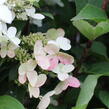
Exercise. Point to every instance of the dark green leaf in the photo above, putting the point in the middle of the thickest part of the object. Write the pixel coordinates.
(36, 4)
(80, 5)
(48, 15)
(99, 68)
(104, 97)
(99, 48)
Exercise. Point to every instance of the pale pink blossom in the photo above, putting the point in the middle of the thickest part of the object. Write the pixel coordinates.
(62, 71)
(26, 71)
(49, 56)
(69, 82)
(45, 100)
(40, 55)
(7, 50)
(35, 91)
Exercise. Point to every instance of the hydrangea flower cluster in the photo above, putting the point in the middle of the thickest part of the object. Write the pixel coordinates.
(37, 52)
(9, 10)
(47, 55)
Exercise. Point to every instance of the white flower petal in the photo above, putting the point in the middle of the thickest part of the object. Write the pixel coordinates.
(27, 67)
(57, 69)
(61, 87)
(62, 76)
(45, 101)
(13, 15)
(30, 11)
(2, 1)
(11, 32)
(53, 42)
(63, 43)
(22, 69)
(15, 40)
(31, 65)
(5, 14)
(68, 68)
(38, 16)
(36, 22)
(3, 51)
(3, 27)
(32, 78)
(33, 91)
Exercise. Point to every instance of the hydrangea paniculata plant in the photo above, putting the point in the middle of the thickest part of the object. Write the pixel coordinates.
(37, 52)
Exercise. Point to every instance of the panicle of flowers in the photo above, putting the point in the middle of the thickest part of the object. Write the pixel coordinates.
(9, 9)
(36, 51)
(24, 10)
(46, 54)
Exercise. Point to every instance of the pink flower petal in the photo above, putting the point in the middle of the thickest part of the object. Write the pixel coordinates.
(65, 58)
(43, 62)
(73, 82)
(51, 49)
(22, 79)
(53, 63)
(11, 53)
(38, 48)
(32, 78)
(60, 32)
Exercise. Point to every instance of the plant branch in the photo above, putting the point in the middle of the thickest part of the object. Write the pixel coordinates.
(84, 56)
(105, 3)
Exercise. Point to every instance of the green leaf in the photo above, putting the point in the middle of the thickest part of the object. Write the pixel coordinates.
(85, 28)
(80, 5)
(8, 102)
(99, 48)
(104, 97)
(87, 91)
(99, 68)
(92, 32)
(48, 15)
(36, 4)
(90, 12)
